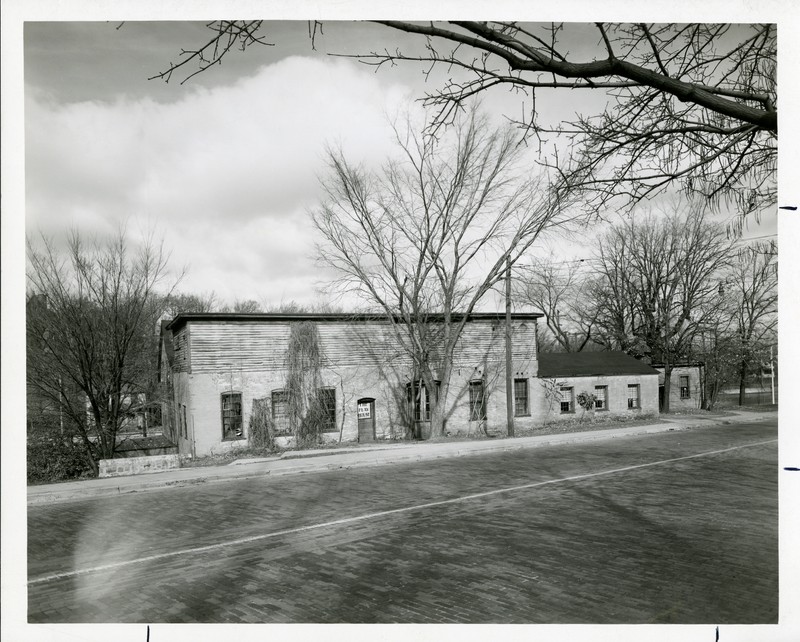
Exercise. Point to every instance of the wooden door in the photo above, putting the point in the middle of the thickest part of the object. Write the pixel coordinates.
(366, 420)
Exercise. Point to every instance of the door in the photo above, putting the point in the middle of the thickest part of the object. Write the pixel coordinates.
(366, 419)
(661, 398)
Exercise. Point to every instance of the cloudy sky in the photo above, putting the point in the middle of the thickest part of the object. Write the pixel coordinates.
(226, 166)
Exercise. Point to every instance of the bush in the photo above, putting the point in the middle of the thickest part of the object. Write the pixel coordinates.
(52, 460)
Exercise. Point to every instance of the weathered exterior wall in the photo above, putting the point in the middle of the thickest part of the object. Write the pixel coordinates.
(676, 402)
(360, 360)
(616, 395)
(137, 465)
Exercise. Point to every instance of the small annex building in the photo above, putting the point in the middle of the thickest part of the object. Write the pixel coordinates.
(620, 383)
(686, 391)
(218, 368)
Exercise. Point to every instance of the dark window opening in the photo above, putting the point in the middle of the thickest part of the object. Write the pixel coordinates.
(477, 401)
(419, 401)
(600, 398)
(327, 402)
(633, 396)
(231, 416)
(280, 412)
(521, 408)
(684, 385)
(567, 404)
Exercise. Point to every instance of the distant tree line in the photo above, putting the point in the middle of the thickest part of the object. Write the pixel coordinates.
(669, 288)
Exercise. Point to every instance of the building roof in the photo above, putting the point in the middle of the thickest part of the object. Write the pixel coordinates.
(588, 364)
(282, 317)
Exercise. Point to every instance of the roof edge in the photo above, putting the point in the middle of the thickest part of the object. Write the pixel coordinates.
(233, 317)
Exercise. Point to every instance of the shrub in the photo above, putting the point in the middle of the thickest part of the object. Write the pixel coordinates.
(52, 460)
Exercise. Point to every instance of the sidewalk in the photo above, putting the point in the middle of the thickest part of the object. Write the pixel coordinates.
(293, 462)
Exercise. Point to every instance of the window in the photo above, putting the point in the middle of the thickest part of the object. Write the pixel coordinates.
(419, 401)
(477, 401)
(684, 383)
(633, 395)
(567, 404)
(601, 397)
(280, 412)
(231, 416)
(185, 427)
(327, 403)
(521, 398)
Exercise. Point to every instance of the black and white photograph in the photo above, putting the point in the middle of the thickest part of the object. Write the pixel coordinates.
(370, 315)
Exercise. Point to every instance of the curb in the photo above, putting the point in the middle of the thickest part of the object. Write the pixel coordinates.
(370, 458)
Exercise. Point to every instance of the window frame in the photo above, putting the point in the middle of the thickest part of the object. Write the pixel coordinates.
(525, 411)
(634, 403)
(329, 407)
(477, 412)
(419, 400)
(237, 434)
(280, 424)
(684, 390)
(570, 403)
(603, 399)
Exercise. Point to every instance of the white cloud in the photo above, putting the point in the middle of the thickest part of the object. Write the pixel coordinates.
(226, 174)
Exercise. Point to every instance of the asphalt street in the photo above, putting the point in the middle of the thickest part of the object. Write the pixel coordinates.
(671, 527)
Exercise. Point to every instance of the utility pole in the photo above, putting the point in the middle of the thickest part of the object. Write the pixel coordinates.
(509, 373)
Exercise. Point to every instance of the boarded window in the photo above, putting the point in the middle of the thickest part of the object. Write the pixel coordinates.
(633, 395)
(684, 384)
(521, 408)
(280, 412)
(601, 397)
(231, 416)
(327, 402)
(477, 401)
(567, 405)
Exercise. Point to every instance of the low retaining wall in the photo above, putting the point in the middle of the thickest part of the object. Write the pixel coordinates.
(137, 465)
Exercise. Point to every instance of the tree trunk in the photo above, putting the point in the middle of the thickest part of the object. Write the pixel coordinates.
(438, 407)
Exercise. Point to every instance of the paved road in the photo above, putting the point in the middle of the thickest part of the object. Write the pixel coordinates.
(675, 527)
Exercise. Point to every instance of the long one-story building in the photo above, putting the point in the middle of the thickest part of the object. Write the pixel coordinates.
(619, 383)
(217, 367)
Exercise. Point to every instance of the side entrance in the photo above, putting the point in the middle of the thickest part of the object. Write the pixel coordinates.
(366, 419)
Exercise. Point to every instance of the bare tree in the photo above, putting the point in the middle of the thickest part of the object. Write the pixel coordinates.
(91, 336)
(751, 286)
(246, 306)
(178, 302)
(658, 277)
(425, 239)
(563, 292)
(690, 105)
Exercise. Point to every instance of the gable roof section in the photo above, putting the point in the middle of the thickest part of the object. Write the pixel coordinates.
(589, 364)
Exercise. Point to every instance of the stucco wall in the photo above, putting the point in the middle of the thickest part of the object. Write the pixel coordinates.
(675, 401)
(616, 395)
(359, 364)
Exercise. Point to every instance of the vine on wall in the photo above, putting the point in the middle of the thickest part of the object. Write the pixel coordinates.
(304, 358)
